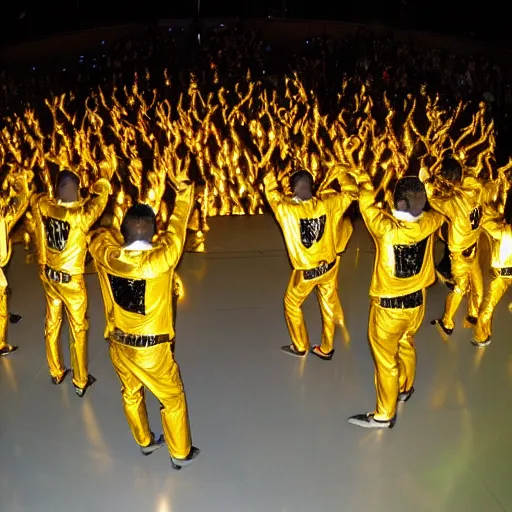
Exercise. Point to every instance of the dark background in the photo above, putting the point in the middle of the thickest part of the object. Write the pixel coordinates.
(487, 21)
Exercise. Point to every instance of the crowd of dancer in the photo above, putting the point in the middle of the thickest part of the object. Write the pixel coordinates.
(129, 178)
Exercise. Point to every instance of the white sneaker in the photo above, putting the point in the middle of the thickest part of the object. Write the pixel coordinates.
(368, 421)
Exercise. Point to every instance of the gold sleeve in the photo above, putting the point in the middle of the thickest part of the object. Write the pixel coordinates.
(431, 221)
(173, 241)
(96, 205)
(16, 207)
(377, 221)
(274, 197)
(105, 243)
(440, 202)
(338, 203)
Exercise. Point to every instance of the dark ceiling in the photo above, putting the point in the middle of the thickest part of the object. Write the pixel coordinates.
(22, 19)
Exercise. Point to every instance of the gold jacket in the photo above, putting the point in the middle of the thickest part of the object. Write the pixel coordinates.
(312, 229)
(463, 208)
(61, 229)
(137, 285)
(404, 260)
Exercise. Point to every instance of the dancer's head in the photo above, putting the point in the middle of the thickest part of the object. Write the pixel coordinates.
(139, 224)
(410, 196)
(451, 170)
(68, 186)
(301, 183)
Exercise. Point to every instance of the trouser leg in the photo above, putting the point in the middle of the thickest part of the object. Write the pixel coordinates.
(156, 369)
(330, 307)
(132, 389)
(53, 324)
(296, 293)
(390, 333)
(497, 289)
(74, 296)
(476, 289)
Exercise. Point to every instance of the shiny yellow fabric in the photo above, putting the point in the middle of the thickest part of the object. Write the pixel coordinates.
(108, 304)
(386, 232)
(391, 336)
(11, 212)
(497, 288)
(298, 290)
(155, 266)
(289, 212)
(500, 235)
(73, 297)
(155, 369)
(457, 205)
(80, 215)
(467, 278)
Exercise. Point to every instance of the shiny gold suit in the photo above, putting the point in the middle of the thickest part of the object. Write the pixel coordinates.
(61, 235)
(314, 239)
(137, 286)
(11, 210)
(462, 205)
(402, 270)
(500, 235)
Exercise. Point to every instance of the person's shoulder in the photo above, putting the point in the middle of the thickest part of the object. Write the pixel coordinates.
(106, 236)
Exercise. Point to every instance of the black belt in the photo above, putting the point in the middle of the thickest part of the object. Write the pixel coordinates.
(56, 275)
(409, 301)
(318, 271)
(139, 340)
(505, 271)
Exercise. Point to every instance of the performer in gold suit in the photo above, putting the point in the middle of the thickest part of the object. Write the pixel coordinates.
(402, 270)
(499, 229)
(459, 198)
(311, 227)
(62, 226)
(136, 277)
(12, 208)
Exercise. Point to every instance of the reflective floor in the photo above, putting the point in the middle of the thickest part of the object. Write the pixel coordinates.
(272, 428)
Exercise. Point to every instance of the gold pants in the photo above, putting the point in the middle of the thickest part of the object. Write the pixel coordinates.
(327, 292)
(73, 297)
(155, 369)
(391, 333)
(497, 289)
(467, 277)
(4, 313)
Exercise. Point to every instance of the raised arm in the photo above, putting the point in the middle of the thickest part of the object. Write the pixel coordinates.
(174, 239)
(272, 193)
(376, 219)
(97, 204)
(18, 200)
(440, 194)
